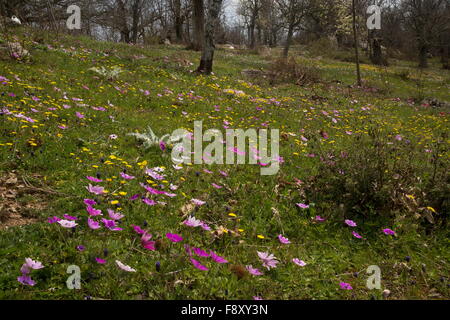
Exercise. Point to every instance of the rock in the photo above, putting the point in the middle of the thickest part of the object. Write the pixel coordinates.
(167, 42)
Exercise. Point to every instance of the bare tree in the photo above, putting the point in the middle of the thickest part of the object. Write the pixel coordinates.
(198, 21)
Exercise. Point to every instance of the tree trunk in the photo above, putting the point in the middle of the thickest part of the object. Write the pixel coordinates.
(423, 52)
(198, 17)
(445, 57)
(206, 61)
(287, 45)
(355, 36)
(135, 26)
(178, 21)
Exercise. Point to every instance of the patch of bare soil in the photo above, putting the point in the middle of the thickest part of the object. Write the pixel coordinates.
(14, 211)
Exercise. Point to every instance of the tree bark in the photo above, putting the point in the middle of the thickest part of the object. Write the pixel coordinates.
(206, 61)
(355, 36)
(198, 17)
(287, 45)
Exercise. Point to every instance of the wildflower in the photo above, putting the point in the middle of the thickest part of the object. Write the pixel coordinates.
(198, 265)
(254, 271)
(93, 212)
(113, 137)
(200, 252)
(80, 248)
(53, 219)
(100, 261)
(389, 232)
(95, 189)
(114, 215)
(192, 222)
(93, 179)
(356, 235)
(345, 286)
(299, 262)
(111, 225)
(126, 176)
(67, 224)
(350, 223)
(198, 202)
(94, 225)
(302, 205)
(146, 243)
(217, 258)
(269, 260)
(26, 280)
(124, 267)
(174, 237)
(89, 202)
(283, 240)
(319, 219)
(138, 229)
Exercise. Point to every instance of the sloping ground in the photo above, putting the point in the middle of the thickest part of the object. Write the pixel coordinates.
(362, 180)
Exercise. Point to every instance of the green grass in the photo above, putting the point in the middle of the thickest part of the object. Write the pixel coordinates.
(263, 205)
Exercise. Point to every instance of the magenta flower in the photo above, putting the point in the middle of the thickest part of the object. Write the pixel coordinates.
(93, 179)
(100, 261)
(174, 237)
(53, 219)
(257, 298)
(93, 212)
(126, 176)
(254, 271)
(216, 186)
(95, 189)
(217, 258)
(79, 115)
(115, 215)
(389, 232)
(299, 262)
(192, 222)
(302, 205)
(319, 219)
(149, 202)
(146, 243)
(345, 286)
(269, 260)
(138, 229)
(283, 240)
(71, 218)
(111, 225)
(198, 265)
(89, 202)
(356, 235)
(200, 252)
(94, 225)
(350, 223)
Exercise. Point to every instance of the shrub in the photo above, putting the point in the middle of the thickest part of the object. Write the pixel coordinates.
(289, 71)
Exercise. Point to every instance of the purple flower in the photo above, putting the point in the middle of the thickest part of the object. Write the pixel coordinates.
(93, 212)
(94, 225)
(217, 258)
(26, 280)
(350, 223)
(345, 286)
(93, 179)
(389, 232)
(174, 237)
(269, 260)
(283, 240)
(299, 262)
(67, 224)
(126, 176)
(100, 261)
(200, 252)
(254, 271)
(95, 189)
(198, 265)
(302, 205)
(111, 225)
(81, 248)
(356, 235)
